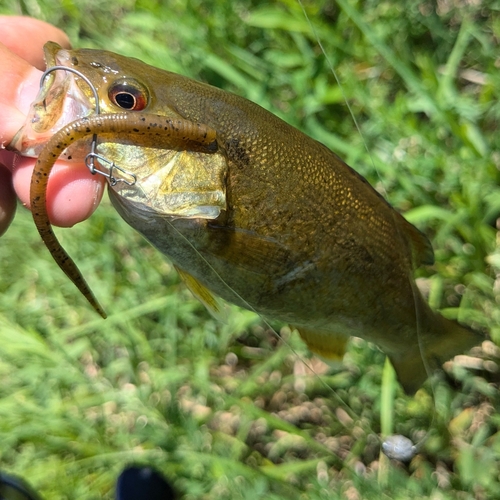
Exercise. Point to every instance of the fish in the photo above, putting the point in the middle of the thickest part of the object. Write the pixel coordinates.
(248, 208)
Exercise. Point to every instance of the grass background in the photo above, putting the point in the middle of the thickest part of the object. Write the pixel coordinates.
(231, 411)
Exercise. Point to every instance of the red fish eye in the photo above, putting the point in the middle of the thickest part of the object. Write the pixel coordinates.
(129, 96)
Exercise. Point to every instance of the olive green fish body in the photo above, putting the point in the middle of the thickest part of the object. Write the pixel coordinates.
(294, 233)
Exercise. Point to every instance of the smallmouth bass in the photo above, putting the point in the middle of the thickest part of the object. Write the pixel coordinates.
(259, 214)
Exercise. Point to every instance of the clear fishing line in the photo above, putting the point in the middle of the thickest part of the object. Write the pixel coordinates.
(104, 162)
(395, 446)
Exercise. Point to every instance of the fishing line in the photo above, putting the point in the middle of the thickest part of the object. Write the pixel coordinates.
(390, 446)
(252, 309)
(94, 156)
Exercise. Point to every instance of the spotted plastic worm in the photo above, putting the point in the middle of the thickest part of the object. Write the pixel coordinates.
(143, 130)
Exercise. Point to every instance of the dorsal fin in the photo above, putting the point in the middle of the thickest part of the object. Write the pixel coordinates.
(421, 248)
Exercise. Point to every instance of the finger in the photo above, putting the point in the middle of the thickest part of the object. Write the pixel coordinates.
(26, 36)
(7, 199)
(73, 192)
(19, 82)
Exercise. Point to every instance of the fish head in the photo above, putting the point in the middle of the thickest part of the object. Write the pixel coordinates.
(85, 82)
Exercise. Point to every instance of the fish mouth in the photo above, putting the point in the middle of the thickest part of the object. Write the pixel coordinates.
(61, 99)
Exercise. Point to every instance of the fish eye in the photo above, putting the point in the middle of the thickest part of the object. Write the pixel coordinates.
(129, 95)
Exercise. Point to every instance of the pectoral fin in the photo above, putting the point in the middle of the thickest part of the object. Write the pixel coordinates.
(249, 250)
(328, 345)
(215, 305)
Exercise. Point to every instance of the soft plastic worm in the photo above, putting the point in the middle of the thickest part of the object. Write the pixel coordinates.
(143, 130)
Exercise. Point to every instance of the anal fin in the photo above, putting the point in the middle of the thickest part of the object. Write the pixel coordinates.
(328, 345)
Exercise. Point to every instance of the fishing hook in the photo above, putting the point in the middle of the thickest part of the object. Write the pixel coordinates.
(90, 159)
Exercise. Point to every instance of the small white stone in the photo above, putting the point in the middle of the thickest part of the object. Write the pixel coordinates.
(399, 447)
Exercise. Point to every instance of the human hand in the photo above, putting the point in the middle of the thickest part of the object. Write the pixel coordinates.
(73, 192)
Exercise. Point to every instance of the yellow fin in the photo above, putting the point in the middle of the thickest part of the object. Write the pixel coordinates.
(215, 305)
(328, 345)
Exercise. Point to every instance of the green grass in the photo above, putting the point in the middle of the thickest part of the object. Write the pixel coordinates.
(228, 411)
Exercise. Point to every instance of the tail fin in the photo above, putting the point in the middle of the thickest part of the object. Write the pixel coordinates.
(439, 343)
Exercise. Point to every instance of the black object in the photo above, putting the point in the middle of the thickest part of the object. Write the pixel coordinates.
(134, 483)
(137, 483)
(14, 488)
